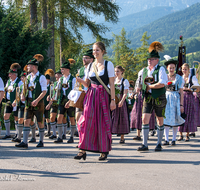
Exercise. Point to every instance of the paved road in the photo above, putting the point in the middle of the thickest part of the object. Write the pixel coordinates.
(53, 166)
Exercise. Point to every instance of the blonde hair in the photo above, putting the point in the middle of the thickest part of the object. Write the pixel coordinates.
(186, 65)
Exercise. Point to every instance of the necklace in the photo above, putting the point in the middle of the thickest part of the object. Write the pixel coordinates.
(172, 75)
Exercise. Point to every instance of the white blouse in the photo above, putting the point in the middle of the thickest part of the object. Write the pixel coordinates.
(110, 69)
(1, 85)
(126, 84)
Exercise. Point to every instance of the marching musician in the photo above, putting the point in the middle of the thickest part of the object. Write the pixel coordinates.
(1, 97)
(67, 82)
(53, 104)
(154, 79)
(36, 90)
(48, 74)
(10, 90)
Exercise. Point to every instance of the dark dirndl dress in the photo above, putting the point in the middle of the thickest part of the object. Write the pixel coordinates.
(136, 115)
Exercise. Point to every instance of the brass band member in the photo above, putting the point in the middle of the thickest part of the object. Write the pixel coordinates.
(1, 96)
(67, 82)
(154, 79)
(10, 90)
(37, 88)
(53, 104)
(48, 74)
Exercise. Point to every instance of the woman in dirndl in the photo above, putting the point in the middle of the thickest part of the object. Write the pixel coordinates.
(188, 103)
(94, 126)
(174, 96)
(136, 113)
(120, 118)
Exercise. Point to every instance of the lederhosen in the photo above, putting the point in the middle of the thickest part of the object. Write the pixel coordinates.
(54, 105)
(38, 110)
(8, 106)
(63, 99)
(81, 75)
(46, 112)
(155, 100)
(21, 106)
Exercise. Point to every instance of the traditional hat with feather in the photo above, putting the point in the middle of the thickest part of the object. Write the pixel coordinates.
(154, 50)
(49, 73)
(14, 68)
(169, 60)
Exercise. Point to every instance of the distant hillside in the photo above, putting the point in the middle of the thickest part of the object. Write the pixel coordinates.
(132, 21)
(168, 28)
(132, 6)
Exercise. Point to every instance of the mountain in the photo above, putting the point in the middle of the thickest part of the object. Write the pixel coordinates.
(168, 28)
(132, 6)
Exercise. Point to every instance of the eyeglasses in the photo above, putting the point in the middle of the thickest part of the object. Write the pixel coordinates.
(86, 57)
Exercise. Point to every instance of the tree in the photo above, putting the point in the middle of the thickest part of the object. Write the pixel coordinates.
(20, 43)
(120, 47)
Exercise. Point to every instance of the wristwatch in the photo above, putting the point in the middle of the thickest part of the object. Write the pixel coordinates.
(113, 99)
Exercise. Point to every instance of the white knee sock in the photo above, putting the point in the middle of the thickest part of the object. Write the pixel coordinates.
(166, 133)
(175, 130)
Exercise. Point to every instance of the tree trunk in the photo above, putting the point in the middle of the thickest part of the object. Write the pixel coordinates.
(33, 14)
(62, 30)
(44, 14)
(51, 54)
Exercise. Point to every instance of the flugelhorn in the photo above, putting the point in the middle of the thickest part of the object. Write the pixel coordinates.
(25, 87)
(57, 92)
(17, 97)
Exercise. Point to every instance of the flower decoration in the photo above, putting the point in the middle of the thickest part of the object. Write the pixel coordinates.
(14, 69)
(181, 37)
(169, 83)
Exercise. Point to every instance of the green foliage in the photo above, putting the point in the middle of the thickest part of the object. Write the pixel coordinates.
(18, 42)
(168, 29)
(120, 47)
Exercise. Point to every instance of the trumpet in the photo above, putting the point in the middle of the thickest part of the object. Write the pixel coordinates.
(17, 97)
(51, 90)
(78, 85)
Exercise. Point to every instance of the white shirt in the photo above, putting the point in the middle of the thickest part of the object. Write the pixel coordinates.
(42, 81)
(1, 85)
(126, 84)
(194, 80)
(110, 69)
(162, 75)
(65, 81)
(10, 87)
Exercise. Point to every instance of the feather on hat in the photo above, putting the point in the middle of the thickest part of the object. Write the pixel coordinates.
(71, 61)
(15, 66)
(157, 46)
(49, 72)
(39, 57)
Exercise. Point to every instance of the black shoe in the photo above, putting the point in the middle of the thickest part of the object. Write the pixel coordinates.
(52, 137)
(137, 138)
(122, 141)
(64, 136)
(180, 138)
(22, 145)
(37, 135)
(6, 137)
(76, 134)
(166, 143)
(32, 140)
(48, 135)
(103, 156)
(59, 140)
(77, 146)
(40, 144)
(192, 135)
(173, 143)
(187, 139)
(71, 140)
(118, 135)
(80, 155)
(143, 148)
(16, 140)
(15, 136)
(158, 147)
(152, 133)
